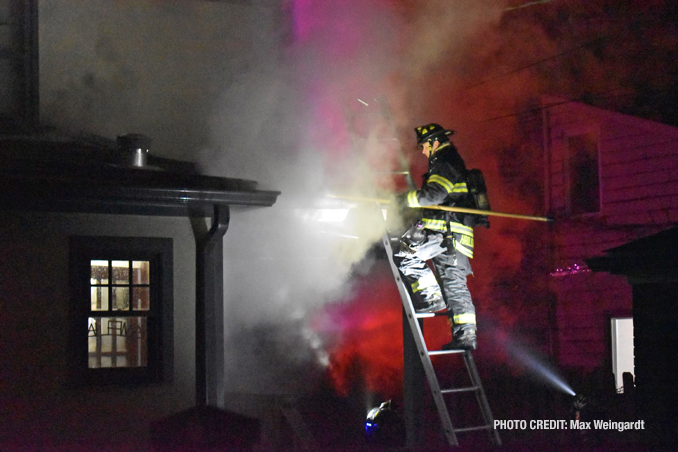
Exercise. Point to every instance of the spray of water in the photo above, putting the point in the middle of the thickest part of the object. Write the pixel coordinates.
(538, 368)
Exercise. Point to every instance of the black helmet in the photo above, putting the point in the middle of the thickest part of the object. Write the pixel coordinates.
(431, 132)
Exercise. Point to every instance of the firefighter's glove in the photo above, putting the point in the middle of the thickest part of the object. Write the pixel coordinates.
(401, 201)
(403, 209)
(405, 212)
(448, 243)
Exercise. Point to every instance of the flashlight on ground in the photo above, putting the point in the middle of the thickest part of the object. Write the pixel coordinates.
(383, 425)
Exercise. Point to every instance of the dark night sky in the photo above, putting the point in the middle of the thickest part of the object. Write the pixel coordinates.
(616, 55)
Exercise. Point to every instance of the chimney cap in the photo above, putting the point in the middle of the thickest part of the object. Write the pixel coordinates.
(134, 141)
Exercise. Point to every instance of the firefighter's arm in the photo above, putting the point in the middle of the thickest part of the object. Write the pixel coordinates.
(437, 188)
(430, 194)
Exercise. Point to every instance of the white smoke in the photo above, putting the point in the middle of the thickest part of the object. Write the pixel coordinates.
(284, 262)
(262, 90)
(316, 122)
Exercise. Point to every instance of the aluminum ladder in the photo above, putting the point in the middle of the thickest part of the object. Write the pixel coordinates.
(383, 113)
(425, 355)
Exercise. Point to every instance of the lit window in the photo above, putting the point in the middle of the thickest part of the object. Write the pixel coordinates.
(121, 332)
(122, 288)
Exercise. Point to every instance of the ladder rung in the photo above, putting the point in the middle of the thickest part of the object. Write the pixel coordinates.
(454, 390)
(430, 314)
(473, 429)
(445, 352)
(425, 314)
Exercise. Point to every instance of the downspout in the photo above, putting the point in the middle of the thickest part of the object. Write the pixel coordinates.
(209, 311)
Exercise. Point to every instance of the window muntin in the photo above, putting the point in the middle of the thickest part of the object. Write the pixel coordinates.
(117, 342)
(122, 288)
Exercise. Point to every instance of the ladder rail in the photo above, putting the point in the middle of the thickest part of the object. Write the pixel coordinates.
(456, 390)
(425, 356)
(481, 397)
(445, 419)
(475, 429)
(302, 433)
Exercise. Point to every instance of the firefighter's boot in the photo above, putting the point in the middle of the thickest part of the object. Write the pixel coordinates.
(463, 340)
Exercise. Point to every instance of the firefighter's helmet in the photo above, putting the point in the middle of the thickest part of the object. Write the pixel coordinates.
(431, 132)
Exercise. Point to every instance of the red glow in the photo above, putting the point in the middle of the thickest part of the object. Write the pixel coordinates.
(369, 328)
(370, 335)
(390, 49)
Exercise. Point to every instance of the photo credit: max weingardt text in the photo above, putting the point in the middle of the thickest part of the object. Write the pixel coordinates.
(561, 424)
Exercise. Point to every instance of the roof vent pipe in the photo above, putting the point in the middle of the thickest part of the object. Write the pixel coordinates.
(135, 146)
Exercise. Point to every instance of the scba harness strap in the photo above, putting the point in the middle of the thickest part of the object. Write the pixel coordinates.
(450, 244)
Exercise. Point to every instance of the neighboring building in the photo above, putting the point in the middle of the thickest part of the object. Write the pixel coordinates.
(650, 264)
(111, 257)
(111, 277)
(610, 178)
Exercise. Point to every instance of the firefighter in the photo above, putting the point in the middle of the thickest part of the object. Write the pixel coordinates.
(445, 238)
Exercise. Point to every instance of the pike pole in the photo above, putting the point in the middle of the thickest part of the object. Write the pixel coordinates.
(448, 209)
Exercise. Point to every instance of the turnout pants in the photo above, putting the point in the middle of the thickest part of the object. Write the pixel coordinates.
(450, 283)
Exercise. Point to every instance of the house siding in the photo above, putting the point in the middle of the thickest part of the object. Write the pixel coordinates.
(638, 174)
(38, 403)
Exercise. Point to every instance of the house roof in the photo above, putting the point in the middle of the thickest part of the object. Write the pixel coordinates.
(95, 176)
(652, 126)
(643, 258)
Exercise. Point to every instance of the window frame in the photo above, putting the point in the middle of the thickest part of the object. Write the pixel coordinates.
(111, 286)
(160, 337)
(622, 349)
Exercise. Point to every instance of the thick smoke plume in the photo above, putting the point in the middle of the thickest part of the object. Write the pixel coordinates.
(331, 117)
(293, 94)
(308, 97)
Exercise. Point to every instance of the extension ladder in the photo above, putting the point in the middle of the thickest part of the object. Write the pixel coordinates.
(384, 114)
(425, 355)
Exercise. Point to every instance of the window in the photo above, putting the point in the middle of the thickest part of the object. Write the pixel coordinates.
(122, 309)
(120, 304)
(583, 174)
(622, 349)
